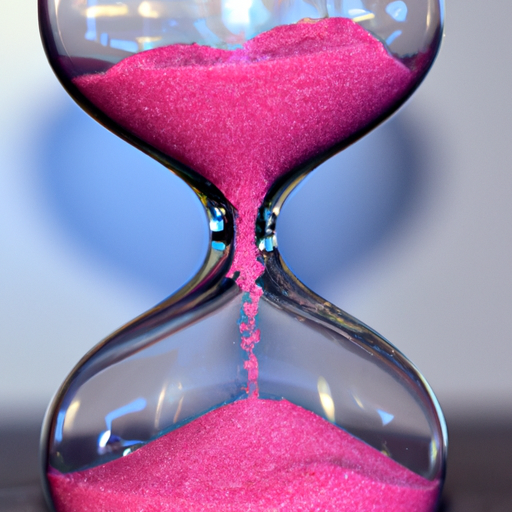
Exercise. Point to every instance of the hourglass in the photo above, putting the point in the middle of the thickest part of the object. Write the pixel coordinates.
(244, 390)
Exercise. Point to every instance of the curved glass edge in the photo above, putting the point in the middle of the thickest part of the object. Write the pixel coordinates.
(284, 291)
(207, 291)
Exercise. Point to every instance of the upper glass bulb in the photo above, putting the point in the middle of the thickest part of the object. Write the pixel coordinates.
(88, 37)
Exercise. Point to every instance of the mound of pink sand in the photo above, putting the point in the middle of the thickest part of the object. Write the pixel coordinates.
(253, 455)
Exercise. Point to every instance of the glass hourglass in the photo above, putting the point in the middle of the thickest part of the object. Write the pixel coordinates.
(244, 390)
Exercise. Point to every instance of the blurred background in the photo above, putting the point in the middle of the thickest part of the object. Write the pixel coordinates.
(409, 230)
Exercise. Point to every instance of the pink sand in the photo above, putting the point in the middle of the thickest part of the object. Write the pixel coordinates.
(253, 455)
(242, 118)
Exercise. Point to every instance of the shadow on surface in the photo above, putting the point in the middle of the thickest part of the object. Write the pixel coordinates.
(118, 206)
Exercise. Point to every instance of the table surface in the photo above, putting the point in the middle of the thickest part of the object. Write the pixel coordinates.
(479, 475)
